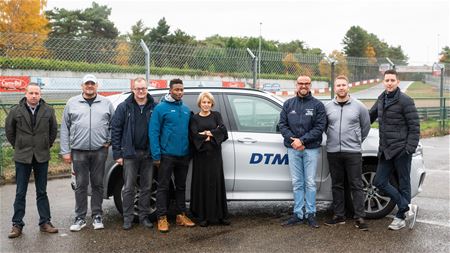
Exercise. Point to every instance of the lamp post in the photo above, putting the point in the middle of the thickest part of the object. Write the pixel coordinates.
(332, 63)
(259, 55)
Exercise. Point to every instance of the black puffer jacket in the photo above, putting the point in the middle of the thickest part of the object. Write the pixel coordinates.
(399, 123)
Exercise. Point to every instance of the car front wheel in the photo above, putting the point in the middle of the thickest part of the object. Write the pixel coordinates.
(376, 203)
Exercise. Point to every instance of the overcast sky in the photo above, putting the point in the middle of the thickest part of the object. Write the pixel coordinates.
(421, 28)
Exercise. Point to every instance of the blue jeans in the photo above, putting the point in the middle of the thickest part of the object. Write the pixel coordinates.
(23, 172)
(401, 165)
(303, 167)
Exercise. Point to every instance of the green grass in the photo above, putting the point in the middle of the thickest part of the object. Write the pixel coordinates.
(423, 90)
(56, 164)
(428, 128)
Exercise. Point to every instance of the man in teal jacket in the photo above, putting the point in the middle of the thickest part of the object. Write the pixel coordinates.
(169, 145)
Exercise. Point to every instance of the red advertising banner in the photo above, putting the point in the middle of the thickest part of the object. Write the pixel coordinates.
(233, 84)
(13, 83)
(158, 83)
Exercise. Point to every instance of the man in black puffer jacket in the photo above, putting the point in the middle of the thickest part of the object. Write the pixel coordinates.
(399, 137)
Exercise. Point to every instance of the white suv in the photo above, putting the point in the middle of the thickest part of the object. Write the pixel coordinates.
(255, 159)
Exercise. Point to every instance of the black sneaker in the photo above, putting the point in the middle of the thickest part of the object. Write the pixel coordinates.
(312, 221)
(146, 222)
(294, 220)
(337, 220)
(127, 225)
(361, 224)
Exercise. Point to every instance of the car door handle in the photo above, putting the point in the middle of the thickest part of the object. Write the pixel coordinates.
(247, 140)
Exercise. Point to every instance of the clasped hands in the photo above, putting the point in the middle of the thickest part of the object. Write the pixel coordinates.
(297, 144)
(207, 133)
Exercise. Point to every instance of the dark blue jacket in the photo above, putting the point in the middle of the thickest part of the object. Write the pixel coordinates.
(304, 118)
(169, 129)
(123, 125)
(399, 123)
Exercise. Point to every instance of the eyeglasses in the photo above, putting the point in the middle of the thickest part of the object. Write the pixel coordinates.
(304, 84)
(140, 89)
(89, 83)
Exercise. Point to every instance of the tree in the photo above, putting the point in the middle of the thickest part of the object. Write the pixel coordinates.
(160, 34)
(96, 23)
(396, 53)
(295, 46)
(65, 23)
(180, 37)
(341, 67)
(445, 55)
(18, 17)
(370, 53)
(355, 41)
(81, 32)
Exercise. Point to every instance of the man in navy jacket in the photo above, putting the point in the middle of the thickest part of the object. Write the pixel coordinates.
(169, 140)
(130, 147)
(302, 122)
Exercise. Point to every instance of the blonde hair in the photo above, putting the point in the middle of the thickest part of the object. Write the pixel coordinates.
(342, 77)
(208, 95)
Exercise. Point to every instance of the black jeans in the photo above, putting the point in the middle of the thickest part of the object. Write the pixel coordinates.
(401, 165)
(350, 164)
(142, 166)
(23, 172)
(179, 167)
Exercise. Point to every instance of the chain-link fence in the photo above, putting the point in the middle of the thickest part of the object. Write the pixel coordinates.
(58, 65)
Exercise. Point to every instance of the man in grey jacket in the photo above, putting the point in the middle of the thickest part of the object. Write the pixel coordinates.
(348, 126)
(85, 137)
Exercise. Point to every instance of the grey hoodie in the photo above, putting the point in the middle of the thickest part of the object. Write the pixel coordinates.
(86, 127)
(348, 126)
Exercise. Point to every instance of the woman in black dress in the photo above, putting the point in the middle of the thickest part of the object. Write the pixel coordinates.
(208, 194)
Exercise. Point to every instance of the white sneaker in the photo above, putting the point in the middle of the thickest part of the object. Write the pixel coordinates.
(78, 225)
(97, 223)
(411, 215)
(397, 224)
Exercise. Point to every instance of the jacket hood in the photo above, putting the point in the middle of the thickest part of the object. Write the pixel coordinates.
(169, 99)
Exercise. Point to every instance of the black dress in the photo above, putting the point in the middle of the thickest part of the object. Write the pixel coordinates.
(208, 194)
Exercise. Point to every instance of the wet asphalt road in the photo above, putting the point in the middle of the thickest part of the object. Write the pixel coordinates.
(255, 225)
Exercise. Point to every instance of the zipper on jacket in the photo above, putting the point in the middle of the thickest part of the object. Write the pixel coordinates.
(340, 129)
(90, 126)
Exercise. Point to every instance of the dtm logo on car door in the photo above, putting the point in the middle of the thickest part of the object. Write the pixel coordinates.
(259, 151)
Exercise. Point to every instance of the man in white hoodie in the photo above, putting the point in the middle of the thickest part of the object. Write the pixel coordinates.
(348, 126)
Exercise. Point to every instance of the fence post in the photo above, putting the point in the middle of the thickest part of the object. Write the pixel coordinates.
(332, 79)
(442, 101)
(147, 60)
(254, 66)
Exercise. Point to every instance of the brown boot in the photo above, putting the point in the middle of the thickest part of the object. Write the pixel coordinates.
(48, 228)
(16, 231)
(163, 224)
(183, 220)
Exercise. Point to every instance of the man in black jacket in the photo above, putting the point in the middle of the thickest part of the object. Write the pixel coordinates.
(302, 122)
(399, 136)
(130, 145)
(31, 129)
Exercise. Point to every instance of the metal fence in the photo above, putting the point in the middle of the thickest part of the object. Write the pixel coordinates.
(58, 64)
(122, 59)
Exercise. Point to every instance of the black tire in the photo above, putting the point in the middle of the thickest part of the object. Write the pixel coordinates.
(377, 204)
(117, 194)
